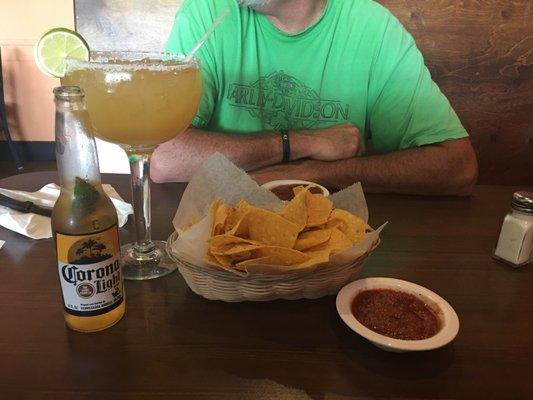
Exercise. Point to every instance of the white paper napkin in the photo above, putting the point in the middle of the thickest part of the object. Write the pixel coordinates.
(37, 226)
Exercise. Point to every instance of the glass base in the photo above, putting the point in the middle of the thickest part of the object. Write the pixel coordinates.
(143, 266)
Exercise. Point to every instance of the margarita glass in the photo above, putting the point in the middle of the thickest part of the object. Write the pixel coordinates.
(139, 100)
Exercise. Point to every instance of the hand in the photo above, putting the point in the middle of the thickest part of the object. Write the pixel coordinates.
(331, 144)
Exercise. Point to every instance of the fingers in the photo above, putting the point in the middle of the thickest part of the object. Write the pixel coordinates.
(345, 142)
(361, 149)
(356, 145)
(335, 143)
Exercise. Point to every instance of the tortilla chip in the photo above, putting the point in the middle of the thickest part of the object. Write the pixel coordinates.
(336, 243)
(335, 223)
(241, 256)
(349, 224)
(274, 255)
(226, 250)
(317, 257)
(220, 214)
(243, 265)
(223, 244)
(297, 189)
(235, 223)
(313, 238)
(318, 209)
(237, 249)
(296, 209)
(270, 228)
(211, 260)
(223, 261)
(281, 255)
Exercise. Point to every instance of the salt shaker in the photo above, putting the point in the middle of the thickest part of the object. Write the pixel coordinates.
(516, 236)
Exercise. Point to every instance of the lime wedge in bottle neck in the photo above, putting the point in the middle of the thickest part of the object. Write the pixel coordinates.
(85, 193)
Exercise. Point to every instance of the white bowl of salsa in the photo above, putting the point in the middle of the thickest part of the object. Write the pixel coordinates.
(283, 188)
(397, 315)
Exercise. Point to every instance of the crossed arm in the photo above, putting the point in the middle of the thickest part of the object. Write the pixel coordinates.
(328, 156)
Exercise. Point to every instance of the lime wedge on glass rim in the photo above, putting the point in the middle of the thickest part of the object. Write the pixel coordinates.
(55, 46)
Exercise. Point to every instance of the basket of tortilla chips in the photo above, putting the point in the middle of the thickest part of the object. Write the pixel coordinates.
(235, 241)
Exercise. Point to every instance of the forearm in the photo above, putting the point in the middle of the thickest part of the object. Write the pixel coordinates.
(178, 159)
(413, 171)
(423, 170)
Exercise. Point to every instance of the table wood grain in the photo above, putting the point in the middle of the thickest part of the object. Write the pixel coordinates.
(174, 344)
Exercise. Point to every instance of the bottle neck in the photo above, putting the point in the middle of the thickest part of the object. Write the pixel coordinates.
(76, 152)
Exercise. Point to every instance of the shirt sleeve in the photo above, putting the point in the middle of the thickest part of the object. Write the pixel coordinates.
(191, 21)
(406, 108)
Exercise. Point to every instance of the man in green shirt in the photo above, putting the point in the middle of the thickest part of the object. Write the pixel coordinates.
(322, 77)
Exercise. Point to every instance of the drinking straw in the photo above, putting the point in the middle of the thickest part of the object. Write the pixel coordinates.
(204, 37)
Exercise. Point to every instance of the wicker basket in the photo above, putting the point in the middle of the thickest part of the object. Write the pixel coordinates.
(216, 284)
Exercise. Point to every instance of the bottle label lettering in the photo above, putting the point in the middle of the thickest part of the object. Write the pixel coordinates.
(90, 272)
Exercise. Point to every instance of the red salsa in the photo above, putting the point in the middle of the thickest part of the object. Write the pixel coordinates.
(396, 314)
(285, 192)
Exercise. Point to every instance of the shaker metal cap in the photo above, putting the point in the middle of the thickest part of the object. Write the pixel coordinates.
(523, 201)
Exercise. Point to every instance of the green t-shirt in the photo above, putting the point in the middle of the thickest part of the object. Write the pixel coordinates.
(355, 64)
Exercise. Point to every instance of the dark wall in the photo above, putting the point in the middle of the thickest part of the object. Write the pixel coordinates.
(481, 55)
(480, 52)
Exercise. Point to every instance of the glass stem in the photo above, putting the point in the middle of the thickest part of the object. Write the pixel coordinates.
(140, 189)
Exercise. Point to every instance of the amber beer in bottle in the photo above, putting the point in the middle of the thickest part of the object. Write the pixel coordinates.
(84, 223)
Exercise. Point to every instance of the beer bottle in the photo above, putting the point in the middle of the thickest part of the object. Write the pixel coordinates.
(84, 223)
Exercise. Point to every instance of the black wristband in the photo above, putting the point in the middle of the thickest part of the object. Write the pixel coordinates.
(286, 145)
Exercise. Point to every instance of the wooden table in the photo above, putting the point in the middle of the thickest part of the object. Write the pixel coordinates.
(174, 344)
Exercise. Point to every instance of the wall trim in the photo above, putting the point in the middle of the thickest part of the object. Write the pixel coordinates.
(29, 151)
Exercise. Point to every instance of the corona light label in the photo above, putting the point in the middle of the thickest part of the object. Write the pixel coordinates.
(89, 272)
